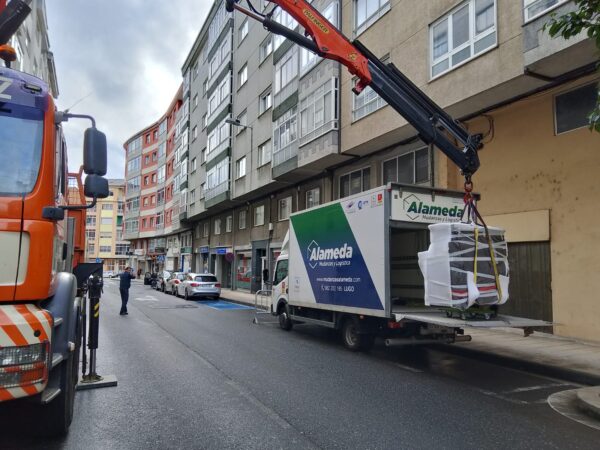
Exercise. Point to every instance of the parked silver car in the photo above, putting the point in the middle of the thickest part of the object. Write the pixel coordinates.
(173, 281)
(199, 285)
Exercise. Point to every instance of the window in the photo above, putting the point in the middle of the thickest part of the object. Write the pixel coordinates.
(153, 200)
(318, 112)
(147, 138)
(193, 165)
(145, 201)
(286, 69)
(308, 58)
(368, 101)
(154, 178)
(121, 249)
(217, 179)
(265, 102)
(281, 272)
(134, 146)
(107, 206)
(286, 20)
(204, 121)
(219, 97)
(91, 248)
(162, 149)
(462, 34)
(264, 153)
(266, 48)
(105, 249)
(204, 86)
(240, 167)
(313, 197)
(154, 158)
(106, 221)
(242, 220)
(90, 235)
(133, 184)
(285, 208)
(536, 8)
(410, 168)
(243, 31)
(160, 197)
(284, 134)
(243, 75)
(195, 132)
(218, 139)
(155, 135)
(259, 215)
(572, 108)
(146, 181)
(242, 119)
(105, 235)
(205, 229)
(133, 204)
(195, 101)
(161, 174)
(228, 224)
(217, 226)
(195, 70)
(134, 164)
(162, 128)
(367, 12)
(355, 182)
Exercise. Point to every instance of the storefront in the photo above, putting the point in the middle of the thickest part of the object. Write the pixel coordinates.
(243, 270)
(220, 264)
(186, 259)
(202, 259)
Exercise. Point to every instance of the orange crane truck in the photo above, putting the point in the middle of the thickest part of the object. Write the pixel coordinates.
(42, 239)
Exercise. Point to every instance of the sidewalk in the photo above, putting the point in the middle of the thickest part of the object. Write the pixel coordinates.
(542, 353)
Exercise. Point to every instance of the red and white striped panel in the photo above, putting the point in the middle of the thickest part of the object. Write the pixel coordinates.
(18, 326)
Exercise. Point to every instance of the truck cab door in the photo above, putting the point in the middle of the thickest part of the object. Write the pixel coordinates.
(280, 282)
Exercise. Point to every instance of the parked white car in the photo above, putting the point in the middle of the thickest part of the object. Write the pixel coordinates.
(173, 281)
(199, 285)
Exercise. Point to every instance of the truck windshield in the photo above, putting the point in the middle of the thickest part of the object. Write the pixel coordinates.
(21, 130)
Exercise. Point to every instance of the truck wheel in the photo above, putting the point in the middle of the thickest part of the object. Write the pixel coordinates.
(353, 339)
(56, 417)
(285, 323)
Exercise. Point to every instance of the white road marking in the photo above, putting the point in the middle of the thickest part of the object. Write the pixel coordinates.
(501, 397)
(535, 388)
(147, 298)
(410, 369)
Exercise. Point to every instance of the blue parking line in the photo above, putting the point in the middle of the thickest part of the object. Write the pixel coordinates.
(221, 305)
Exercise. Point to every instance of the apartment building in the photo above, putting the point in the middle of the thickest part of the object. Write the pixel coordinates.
(32, 46)
(152, 199)
(274, 129)
(104, 230)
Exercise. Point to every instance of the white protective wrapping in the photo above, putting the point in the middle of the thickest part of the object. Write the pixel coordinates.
(448, 266)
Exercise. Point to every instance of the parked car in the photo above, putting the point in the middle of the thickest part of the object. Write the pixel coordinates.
(199, 285)
(174, 279)
(163, 276)
(147, 279)
(108, 274)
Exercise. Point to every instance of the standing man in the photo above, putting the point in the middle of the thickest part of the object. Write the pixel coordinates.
(124, 285)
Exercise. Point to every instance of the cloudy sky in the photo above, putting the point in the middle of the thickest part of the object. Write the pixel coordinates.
(124, 58)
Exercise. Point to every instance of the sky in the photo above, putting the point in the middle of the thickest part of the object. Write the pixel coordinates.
(121, 60)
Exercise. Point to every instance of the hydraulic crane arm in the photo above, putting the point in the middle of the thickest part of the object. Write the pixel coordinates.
(432, 123)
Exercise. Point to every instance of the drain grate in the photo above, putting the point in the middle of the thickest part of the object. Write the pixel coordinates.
(174, 307)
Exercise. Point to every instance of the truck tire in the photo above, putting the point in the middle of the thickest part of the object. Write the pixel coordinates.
(353, 339)
(56, 416)
(285, 323)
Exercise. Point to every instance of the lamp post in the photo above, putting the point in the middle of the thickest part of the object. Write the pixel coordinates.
(236, 123)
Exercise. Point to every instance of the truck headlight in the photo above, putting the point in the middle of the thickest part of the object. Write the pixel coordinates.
(23, 365)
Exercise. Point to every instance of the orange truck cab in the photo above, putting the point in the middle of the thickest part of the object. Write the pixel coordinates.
(41, 243)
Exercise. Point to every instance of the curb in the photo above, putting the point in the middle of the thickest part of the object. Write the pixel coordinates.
(588, 401)
(574, 376)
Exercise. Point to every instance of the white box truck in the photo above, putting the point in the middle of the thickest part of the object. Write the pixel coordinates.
(352, 265)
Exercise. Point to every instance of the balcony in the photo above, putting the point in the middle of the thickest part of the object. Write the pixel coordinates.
(551, 57)
(217, 194)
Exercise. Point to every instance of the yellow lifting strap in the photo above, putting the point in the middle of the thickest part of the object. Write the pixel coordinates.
(476, 250)
(494, 265)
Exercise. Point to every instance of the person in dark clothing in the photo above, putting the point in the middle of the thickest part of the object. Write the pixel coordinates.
(124, 285)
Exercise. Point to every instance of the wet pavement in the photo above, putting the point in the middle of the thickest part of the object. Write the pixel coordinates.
(199, 375)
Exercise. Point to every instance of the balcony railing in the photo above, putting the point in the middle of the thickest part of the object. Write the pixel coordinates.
(286, 153)
(217, 190)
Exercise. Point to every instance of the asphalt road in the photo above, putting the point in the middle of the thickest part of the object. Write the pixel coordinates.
(192, 376)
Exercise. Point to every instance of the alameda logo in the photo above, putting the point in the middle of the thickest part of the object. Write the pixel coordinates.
(326, 257)
(420, 209)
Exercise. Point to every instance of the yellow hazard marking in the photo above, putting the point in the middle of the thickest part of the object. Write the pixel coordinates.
(97, 314)
(97, 306)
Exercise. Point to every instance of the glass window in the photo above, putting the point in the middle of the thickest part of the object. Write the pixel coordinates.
(240, 167)
(365, 103)
(284, 134)
(281, 271)
(409, 168)
(535, 8)
(318, 112)
(228, 224)
(107, 206)
(366, 12)
(217, 226)
(106, 221)
(462, 34)
(572, 109)
(286, 20)
(265, 102)
(355, 182)
(285, 208)
(264, 153)
(243, 31)
(286, 69)
(259, 215)
(242, 220)
(205, 230)
(266, 48)
(313, 197)
(243, 75)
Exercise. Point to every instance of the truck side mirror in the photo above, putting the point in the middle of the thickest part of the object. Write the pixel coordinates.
(94, 152)
(96, 186)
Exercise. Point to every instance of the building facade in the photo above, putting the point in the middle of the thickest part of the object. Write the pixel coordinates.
(32, 46)
(273, 129)
(104, 230)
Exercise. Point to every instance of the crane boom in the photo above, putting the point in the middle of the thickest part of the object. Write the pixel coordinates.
(433, 124)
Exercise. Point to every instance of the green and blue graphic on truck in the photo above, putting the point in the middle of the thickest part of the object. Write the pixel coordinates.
(333, 255)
